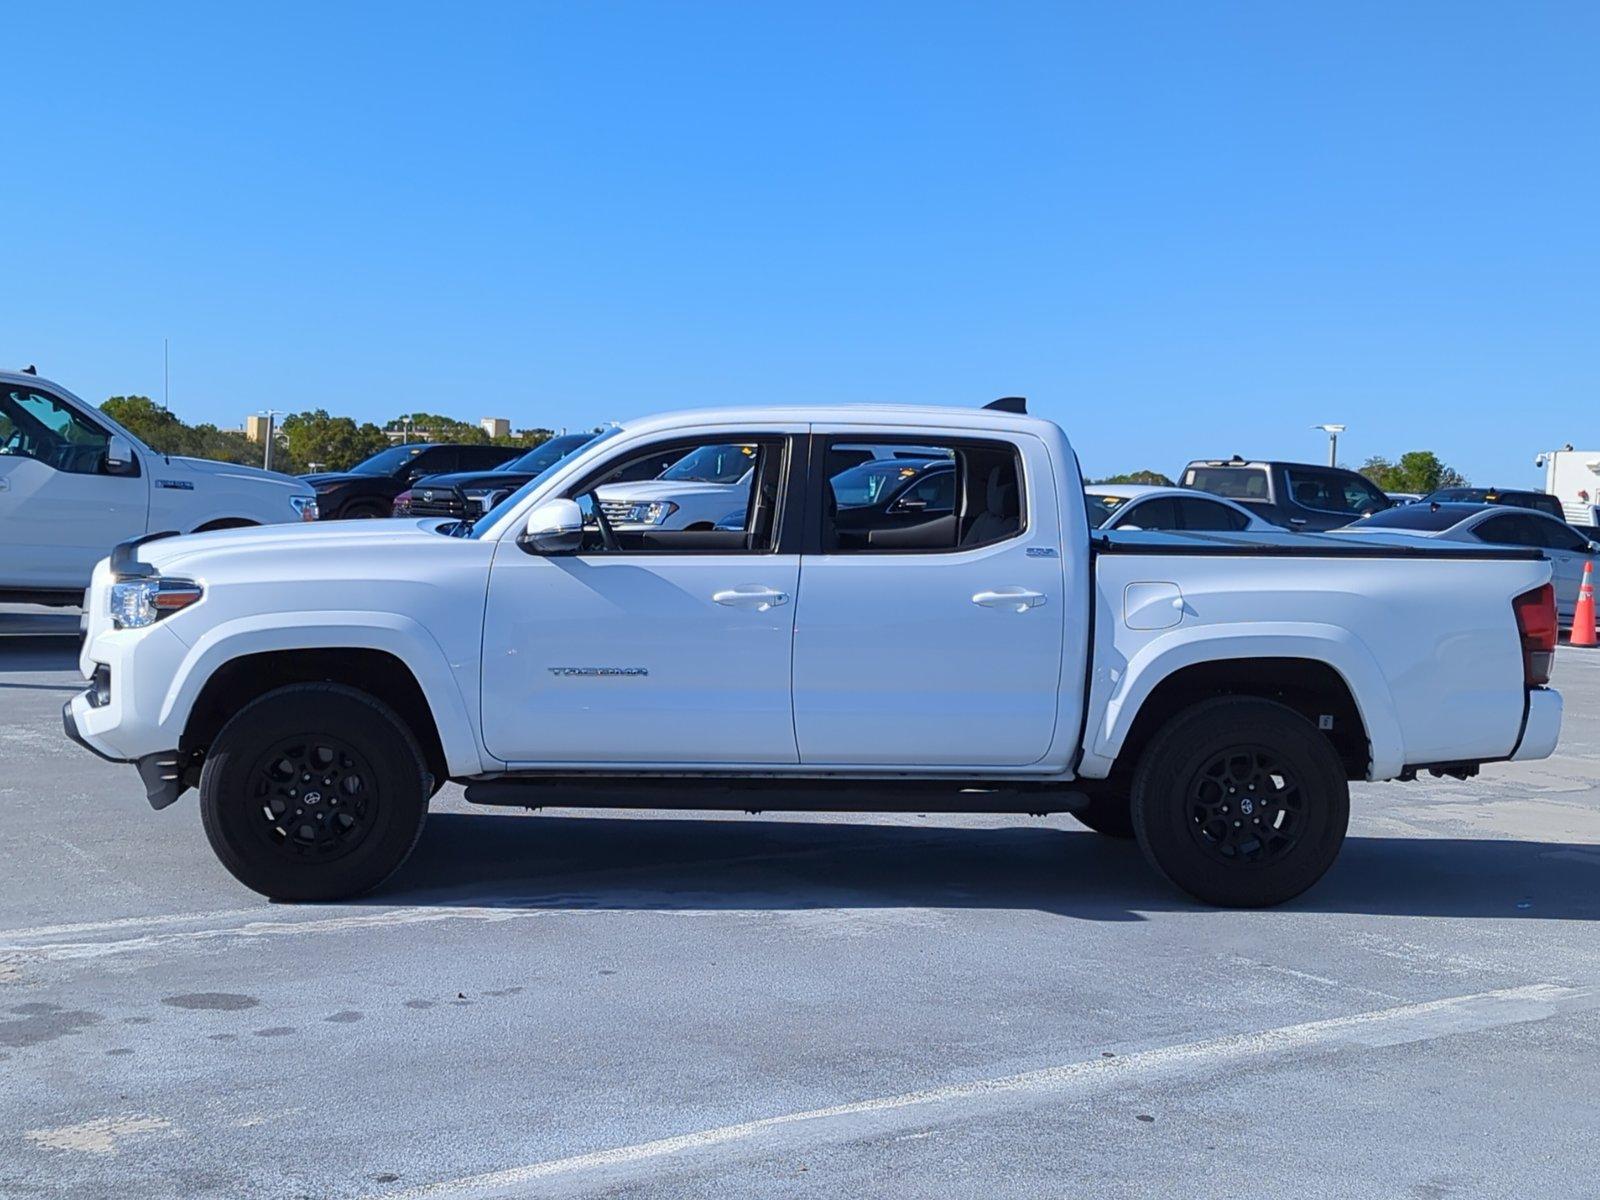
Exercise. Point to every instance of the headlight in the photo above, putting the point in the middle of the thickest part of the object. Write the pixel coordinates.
(306, 506)
(652, 512)
(136, 603)
(402, 504)
(481, 500)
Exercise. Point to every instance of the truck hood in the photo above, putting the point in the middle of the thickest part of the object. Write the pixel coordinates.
(665, 489)
(276, 546)
(474, 479)
(222, 470)
(326, 479)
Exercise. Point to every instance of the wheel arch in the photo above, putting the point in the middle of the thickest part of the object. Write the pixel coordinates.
(386, 656)
(1320, 673)
(217, 523)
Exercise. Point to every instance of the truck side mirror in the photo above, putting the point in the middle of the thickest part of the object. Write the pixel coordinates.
(119, 458)
(555, 527)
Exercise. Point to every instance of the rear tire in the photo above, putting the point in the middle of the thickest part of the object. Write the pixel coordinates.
(314, 791)
(1240, 802)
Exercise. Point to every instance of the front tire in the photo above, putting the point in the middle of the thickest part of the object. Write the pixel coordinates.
(1240, 802)
(314, 791)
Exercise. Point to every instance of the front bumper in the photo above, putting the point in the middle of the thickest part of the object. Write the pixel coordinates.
(159, 772)
(1542, 729)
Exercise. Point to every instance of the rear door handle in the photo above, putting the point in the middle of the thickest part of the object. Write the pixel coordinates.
(760, 599)
(1015, 598)
(5, 485)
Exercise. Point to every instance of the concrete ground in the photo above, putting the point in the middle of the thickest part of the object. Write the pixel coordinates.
(631, 1005)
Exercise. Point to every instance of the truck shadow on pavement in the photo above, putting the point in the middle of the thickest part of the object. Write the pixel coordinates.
(42, 655)
(721, 864)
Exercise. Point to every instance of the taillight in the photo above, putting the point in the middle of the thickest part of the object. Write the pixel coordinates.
(1536, 624)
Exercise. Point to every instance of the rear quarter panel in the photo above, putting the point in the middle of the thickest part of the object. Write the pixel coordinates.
(1429, 649)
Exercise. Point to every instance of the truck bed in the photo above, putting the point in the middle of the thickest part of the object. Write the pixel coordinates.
(1291, 545)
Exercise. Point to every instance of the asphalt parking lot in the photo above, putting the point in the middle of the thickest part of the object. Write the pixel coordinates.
(630, 1004)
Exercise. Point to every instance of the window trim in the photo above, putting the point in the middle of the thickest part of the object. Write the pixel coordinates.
(817, 480)
(786, 530)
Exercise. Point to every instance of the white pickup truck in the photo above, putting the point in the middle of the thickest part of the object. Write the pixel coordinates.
(1209, 693)
(74, 483)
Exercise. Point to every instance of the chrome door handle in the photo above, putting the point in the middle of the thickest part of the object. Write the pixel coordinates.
(1014, 598)
(759, 599)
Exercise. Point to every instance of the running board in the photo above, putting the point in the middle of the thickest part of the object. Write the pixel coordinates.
(776, 795)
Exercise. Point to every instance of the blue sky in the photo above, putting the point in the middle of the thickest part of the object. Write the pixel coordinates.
(1182, 229)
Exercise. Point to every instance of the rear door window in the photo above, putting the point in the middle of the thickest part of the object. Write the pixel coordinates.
(1209, 515)
(1159, 512)
(976, 500)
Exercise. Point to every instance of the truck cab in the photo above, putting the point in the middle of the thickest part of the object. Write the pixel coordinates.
(74, 483)
(1208, 693)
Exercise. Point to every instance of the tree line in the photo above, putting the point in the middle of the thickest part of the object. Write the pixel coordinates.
(301, 439)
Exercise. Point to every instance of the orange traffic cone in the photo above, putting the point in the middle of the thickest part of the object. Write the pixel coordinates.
(1583, 616)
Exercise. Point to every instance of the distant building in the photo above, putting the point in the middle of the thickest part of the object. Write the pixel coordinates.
(255, 428)
(496, 427)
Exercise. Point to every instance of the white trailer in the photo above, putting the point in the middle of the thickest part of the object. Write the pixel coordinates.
(1573, 477)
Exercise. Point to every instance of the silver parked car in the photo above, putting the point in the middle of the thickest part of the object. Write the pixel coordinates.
(1494, 525)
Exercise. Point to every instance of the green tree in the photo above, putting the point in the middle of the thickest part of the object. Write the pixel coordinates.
(165, 433)
(335, 443)
(1155, 478)
(1418, 471)
(433, 427)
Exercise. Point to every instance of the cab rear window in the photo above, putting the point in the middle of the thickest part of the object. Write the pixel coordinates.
(1236, 483)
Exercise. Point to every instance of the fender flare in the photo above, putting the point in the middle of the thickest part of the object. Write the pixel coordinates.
(1334, 647)
(393, 633)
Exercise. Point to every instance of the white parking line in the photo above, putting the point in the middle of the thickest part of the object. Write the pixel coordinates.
(1386, 1027)
(119, 923)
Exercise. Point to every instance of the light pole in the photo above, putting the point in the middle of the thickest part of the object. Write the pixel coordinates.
(266, 452)
(1333, 432)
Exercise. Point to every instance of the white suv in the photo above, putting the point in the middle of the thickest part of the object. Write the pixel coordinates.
(74, 483)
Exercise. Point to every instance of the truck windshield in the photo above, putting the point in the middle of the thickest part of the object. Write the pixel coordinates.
(389, 462)
(476, 528)
(713, 464)
(547, 454)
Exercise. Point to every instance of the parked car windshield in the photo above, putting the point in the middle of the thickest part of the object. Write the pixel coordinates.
(1101, 506)
(476, 528)
(869, 482)
(713, 464)
(547, 454)
(389, 462)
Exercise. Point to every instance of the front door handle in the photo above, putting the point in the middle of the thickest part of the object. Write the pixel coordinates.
(1015, 598)
(758, 598)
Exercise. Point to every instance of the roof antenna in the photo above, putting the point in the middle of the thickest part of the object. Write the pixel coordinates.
(1009, 404)
(30, 369)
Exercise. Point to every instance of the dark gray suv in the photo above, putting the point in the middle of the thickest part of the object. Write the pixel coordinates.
(1293, 495)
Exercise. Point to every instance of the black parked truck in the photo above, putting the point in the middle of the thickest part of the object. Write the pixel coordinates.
(368, 489)
(1293, 495)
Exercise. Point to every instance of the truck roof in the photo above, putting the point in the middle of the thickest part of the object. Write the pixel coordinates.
(912, 416)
